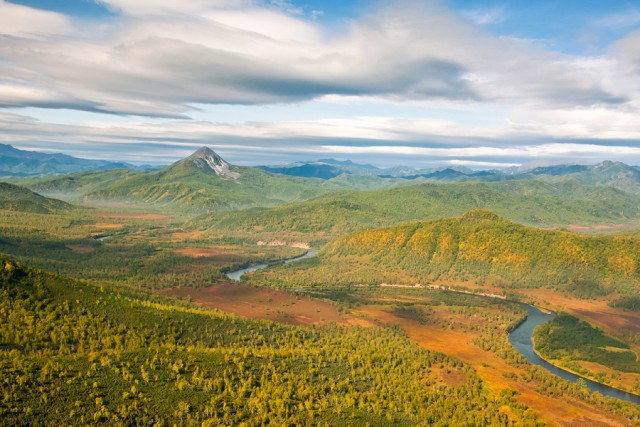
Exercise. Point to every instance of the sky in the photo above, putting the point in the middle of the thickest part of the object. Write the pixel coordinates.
(422, 83)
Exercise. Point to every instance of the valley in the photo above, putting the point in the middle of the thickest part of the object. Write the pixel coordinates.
(120, 309)
(283, 213)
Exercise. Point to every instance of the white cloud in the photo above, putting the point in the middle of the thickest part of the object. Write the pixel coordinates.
(161, 64)
(490, 16)
(160, 7)
(19, 95)
(626, 54)
(161, 58)
(594, 123)
(23, 21)
(537, 151)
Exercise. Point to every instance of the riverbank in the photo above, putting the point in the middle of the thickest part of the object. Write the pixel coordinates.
(582, 375)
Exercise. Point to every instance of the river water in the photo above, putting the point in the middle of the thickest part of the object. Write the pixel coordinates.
(520, 338)
(237, 275)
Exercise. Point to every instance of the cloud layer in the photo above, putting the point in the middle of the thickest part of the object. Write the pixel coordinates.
(381, 141)
(155, 61)
(164, 58)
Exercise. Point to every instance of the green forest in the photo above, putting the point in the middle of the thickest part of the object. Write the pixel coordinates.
(72, 353)
(88, 336)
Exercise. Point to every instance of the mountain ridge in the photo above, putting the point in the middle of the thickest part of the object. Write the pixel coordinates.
(532, 202)
(23, 163)
(610, 173)
(205, 181)
(202, 181)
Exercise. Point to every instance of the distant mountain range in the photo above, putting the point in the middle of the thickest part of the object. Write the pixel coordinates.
(613, 174)
(330, 168)
(324, 168)
(21, 163)
(307, 170)
(204, 181)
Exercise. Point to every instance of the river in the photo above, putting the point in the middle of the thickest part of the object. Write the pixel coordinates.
(520, 338)
(237, 275)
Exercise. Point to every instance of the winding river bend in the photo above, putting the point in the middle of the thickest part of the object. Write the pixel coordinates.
(520, 338)
(237, 275)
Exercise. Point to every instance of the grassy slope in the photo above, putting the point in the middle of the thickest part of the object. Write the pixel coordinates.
(528, 202)
(16, 198)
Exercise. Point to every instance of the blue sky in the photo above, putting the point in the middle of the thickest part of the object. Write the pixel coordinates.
(413, 82)
(570, 26)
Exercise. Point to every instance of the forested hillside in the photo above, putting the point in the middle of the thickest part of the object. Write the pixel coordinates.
(614, 174)
(72, 353)
(567, 338)
(480, 246)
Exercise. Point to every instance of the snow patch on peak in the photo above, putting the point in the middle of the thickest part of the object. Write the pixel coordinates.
(207, 158)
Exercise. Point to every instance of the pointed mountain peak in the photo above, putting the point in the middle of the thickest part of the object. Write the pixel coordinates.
(203, 152)
(207, 159)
